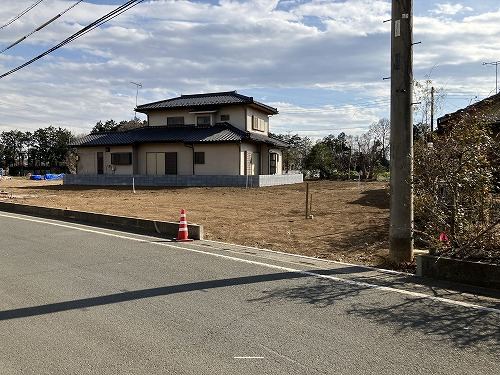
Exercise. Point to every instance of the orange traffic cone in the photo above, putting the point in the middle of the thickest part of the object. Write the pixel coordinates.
(183, 228)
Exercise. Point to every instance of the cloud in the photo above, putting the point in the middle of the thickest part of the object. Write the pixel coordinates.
(450, 9)
(322, 63)
(318, 122)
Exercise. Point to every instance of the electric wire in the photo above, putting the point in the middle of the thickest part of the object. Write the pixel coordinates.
(40, 27)
(21, 14)
(121, 9)
(107, 19)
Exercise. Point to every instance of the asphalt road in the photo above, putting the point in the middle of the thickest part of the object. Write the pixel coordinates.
(76, 299)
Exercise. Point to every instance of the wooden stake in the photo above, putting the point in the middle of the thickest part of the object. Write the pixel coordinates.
(307, 200)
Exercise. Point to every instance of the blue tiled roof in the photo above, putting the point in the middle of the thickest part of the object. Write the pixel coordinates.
(218, 133)
(204, 101)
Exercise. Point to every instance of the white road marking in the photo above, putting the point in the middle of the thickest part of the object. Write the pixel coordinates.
(248, 357)
(272, 266)
(381, 270)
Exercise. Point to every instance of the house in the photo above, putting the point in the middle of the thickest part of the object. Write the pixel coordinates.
(215, 139)
(487, 110)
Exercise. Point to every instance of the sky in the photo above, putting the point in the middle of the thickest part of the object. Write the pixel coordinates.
(323, 64)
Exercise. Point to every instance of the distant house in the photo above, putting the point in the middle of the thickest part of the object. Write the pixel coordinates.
(487, 110)
(219, 139)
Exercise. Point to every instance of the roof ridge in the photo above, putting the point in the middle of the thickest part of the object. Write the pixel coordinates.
(210, 94)
(214, 99)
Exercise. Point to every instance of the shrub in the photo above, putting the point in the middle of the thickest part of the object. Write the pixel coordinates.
(454, 189)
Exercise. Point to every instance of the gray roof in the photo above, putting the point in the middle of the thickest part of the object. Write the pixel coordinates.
(205, 102)
(487, 109)
(218, 133)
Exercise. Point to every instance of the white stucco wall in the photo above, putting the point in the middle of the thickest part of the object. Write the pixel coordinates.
(262, 152)
(159, 118)
(254, 152)
(87, 160)
(118, 169)
(220, 159)
(253, 112)
(237, 116)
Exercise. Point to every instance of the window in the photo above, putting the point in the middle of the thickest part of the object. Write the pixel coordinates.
(121, 158)
(224, 117)
(204, 120)
(273, 165)
(178, 120)
(199, 158)
(258, 123)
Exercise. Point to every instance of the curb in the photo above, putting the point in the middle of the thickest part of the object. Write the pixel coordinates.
(166, 228)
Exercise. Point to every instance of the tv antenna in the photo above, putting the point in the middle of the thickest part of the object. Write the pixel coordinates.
(138, 86)
(495, 64)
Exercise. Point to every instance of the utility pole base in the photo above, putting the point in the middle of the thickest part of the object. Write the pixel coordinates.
(401, 250)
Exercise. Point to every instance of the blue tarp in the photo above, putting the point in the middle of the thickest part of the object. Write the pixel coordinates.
(50, 176)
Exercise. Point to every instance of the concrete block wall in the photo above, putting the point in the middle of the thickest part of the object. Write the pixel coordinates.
(182, 181)
(471, 273)
(165, 228)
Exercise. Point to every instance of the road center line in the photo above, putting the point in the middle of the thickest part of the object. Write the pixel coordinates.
(272, 266)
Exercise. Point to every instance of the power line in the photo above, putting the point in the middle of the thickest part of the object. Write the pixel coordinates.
(21, 14)
(40, 27)
(121, 9)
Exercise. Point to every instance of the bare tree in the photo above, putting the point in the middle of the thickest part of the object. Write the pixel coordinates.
(428, 101)
(380, 131)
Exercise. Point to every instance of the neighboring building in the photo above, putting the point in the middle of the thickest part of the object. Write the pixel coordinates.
(487, 110)
(217, 135)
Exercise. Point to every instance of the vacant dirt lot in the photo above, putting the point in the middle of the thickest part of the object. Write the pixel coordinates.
(350, 221)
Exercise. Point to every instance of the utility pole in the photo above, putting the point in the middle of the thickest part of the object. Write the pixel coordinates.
(495, 64)
(401, 139)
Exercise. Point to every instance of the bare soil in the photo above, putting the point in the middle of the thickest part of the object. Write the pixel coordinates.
(350, 220)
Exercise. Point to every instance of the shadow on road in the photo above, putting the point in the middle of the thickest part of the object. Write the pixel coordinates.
(163, 291)
(141, 294)
(462, 326)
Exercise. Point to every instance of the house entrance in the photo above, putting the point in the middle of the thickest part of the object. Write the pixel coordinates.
(159, 163)
(252, 163)
(100, 163)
